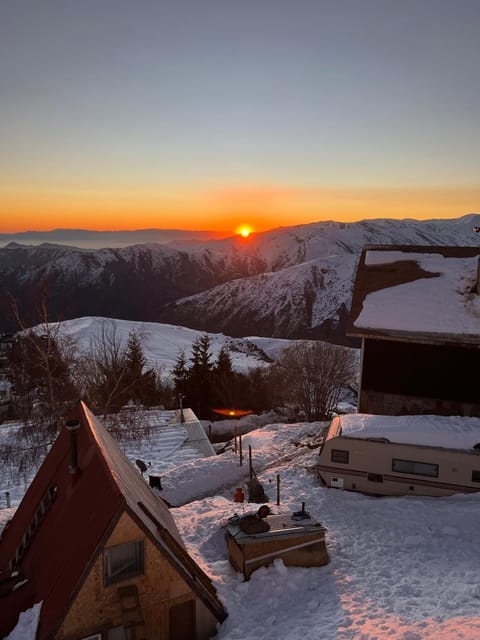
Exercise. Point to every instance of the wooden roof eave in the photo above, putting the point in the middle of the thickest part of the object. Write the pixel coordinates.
(98, 550)
(422, 337)
(172, 548)
(179, 558)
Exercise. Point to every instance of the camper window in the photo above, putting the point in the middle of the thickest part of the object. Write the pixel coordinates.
(415, 468)
(475, 475)
(339, 455)
(123, 561)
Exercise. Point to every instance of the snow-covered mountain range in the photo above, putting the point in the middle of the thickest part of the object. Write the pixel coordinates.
(291, 282)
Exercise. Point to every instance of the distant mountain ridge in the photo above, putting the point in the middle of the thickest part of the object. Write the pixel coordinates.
(88, 239)
(292, 282)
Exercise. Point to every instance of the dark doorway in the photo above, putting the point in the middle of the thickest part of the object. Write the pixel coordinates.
(182, 621)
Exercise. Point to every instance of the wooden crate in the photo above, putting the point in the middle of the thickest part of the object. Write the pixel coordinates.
(299, 543)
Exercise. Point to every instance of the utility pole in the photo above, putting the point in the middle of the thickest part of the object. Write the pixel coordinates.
(182, 417)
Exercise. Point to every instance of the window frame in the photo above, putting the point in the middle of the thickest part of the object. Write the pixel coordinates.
(340, 456)
(416, 467)
(124, 567)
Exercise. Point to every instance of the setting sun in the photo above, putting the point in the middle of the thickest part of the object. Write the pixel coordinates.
(244, 230)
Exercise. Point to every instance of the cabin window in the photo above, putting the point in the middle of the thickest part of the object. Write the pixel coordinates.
(45, 503)
(123, 561)
(115, 633)
(339, 455)
(415, 468)
(475, 476)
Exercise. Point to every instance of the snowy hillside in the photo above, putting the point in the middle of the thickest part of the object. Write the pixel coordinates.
(162, 343)
(287, 283)
(306, 300)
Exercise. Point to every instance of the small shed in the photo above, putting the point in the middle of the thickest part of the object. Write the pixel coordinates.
(296, 538)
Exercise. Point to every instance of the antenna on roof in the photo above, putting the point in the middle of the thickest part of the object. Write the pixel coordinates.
(73, 426)
(182, 416)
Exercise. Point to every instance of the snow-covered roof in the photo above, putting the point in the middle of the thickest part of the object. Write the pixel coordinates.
(171, 442)
(453, 432)
(418, 290)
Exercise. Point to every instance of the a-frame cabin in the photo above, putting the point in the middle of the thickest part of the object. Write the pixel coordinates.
(99, 549)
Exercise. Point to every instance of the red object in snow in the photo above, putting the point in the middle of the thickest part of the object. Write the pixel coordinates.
(239, 495)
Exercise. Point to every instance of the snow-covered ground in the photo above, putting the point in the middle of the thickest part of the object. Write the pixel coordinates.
(400, 568)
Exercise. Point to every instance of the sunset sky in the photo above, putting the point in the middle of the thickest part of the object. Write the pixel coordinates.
(203, 114)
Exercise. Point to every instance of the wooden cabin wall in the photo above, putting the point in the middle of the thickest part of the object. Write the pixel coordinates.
(391, 404)
(97, 607)
(406, 378)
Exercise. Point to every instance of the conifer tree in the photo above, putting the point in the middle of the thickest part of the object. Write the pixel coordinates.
(140, 385)
(223, 365)
(200, 379)
(201, 357)
(224, 381)
(180, 374)
(134, 357)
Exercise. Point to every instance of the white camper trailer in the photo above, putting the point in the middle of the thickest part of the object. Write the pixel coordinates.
(397, 455)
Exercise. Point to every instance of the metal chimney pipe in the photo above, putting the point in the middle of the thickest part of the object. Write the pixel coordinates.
(73, 426)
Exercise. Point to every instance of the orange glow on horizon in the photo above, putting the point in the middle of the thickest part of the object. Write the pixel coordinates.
(244, 230)
(224, 210)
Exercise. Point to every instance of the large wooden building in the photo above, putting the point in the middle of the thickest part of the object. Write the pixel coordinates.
(417, 312)
(97, 550)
